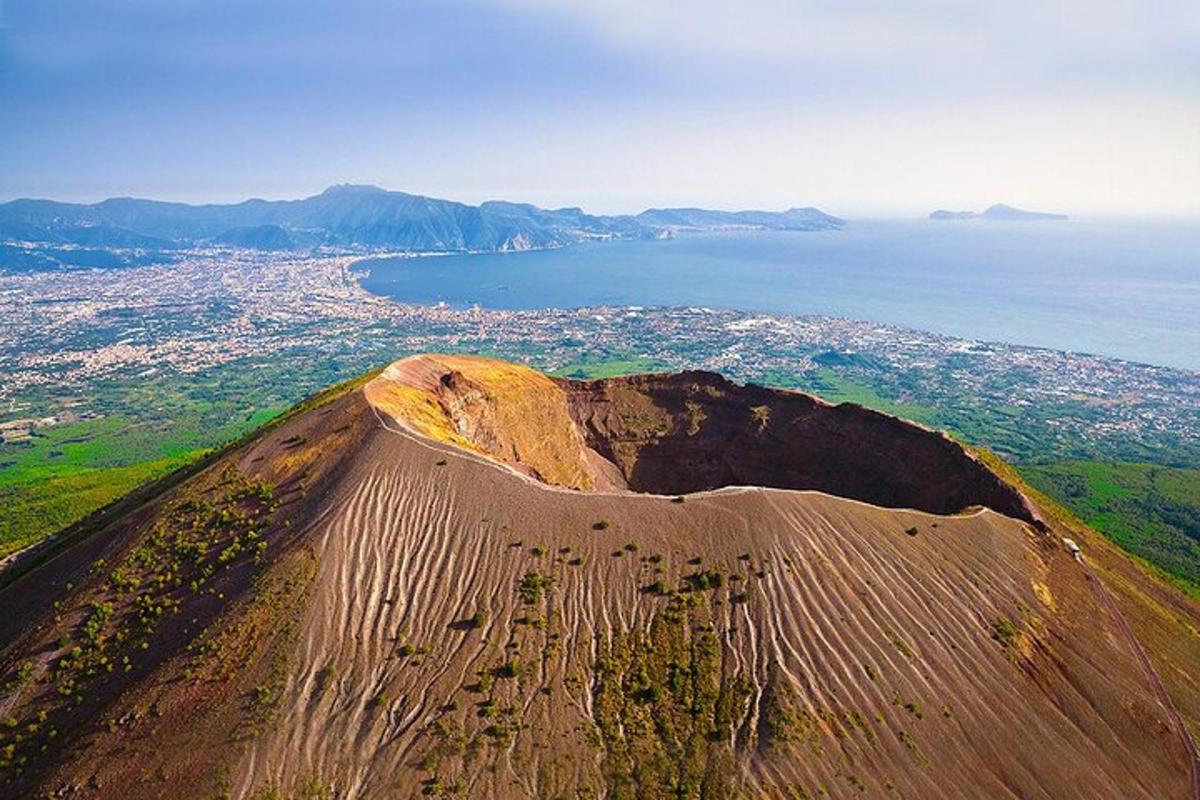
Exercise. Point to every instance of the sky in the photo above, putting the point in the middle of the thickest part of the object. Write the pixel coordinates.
(868, 107)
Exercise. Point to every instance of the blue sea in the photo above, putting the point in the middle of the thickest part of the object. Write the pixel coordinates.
(1117, 288)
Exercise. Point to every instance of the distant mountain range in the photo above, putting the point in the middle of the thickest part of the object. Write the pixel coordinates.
(353, 217)
(699, 219)
(998, 212)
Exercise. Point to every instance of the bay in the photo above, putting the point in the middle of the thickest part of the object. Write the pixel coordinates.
(1123, 288)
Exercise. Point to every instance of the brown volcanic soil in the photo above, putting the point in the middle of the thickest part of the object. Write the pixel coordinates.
(350, 605)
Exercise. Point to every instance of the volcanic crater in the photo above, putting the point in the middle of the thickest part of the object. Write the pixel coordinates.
(687, 432)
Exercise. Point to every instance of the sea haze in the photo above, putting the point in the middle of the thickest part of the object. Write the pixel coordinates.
(1124, 289)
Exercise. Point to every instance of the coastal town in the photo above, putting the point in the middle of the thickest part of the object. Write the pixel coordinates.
(219, 309)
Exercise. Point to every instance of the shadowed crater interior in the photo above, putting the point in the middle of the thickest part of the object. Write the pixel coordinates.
(687, 432)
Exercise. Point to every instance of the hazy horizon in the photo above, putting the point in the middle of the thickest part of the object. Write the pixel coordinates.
(865, 109)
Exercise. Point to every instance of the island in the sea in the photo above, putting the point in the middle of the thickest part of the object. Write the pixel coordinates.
(996, 213)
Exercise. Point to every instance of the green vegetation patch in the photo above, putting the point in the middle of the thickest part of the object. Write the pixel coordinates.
(1150, 510)
(594, 370)
(836, 388)
(63, 472)
(667, 710)
(532, 586)
(35, 508)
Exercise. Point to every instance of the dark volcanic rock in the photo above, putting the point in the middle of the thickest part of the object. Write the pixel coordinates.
(673, 434)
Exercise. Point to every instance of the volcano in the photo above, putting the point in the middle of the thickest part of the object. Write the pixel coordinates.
(461, 577)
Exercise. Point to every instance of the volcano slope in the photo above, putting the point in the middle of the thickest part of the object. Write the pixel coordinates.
(460, 577)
